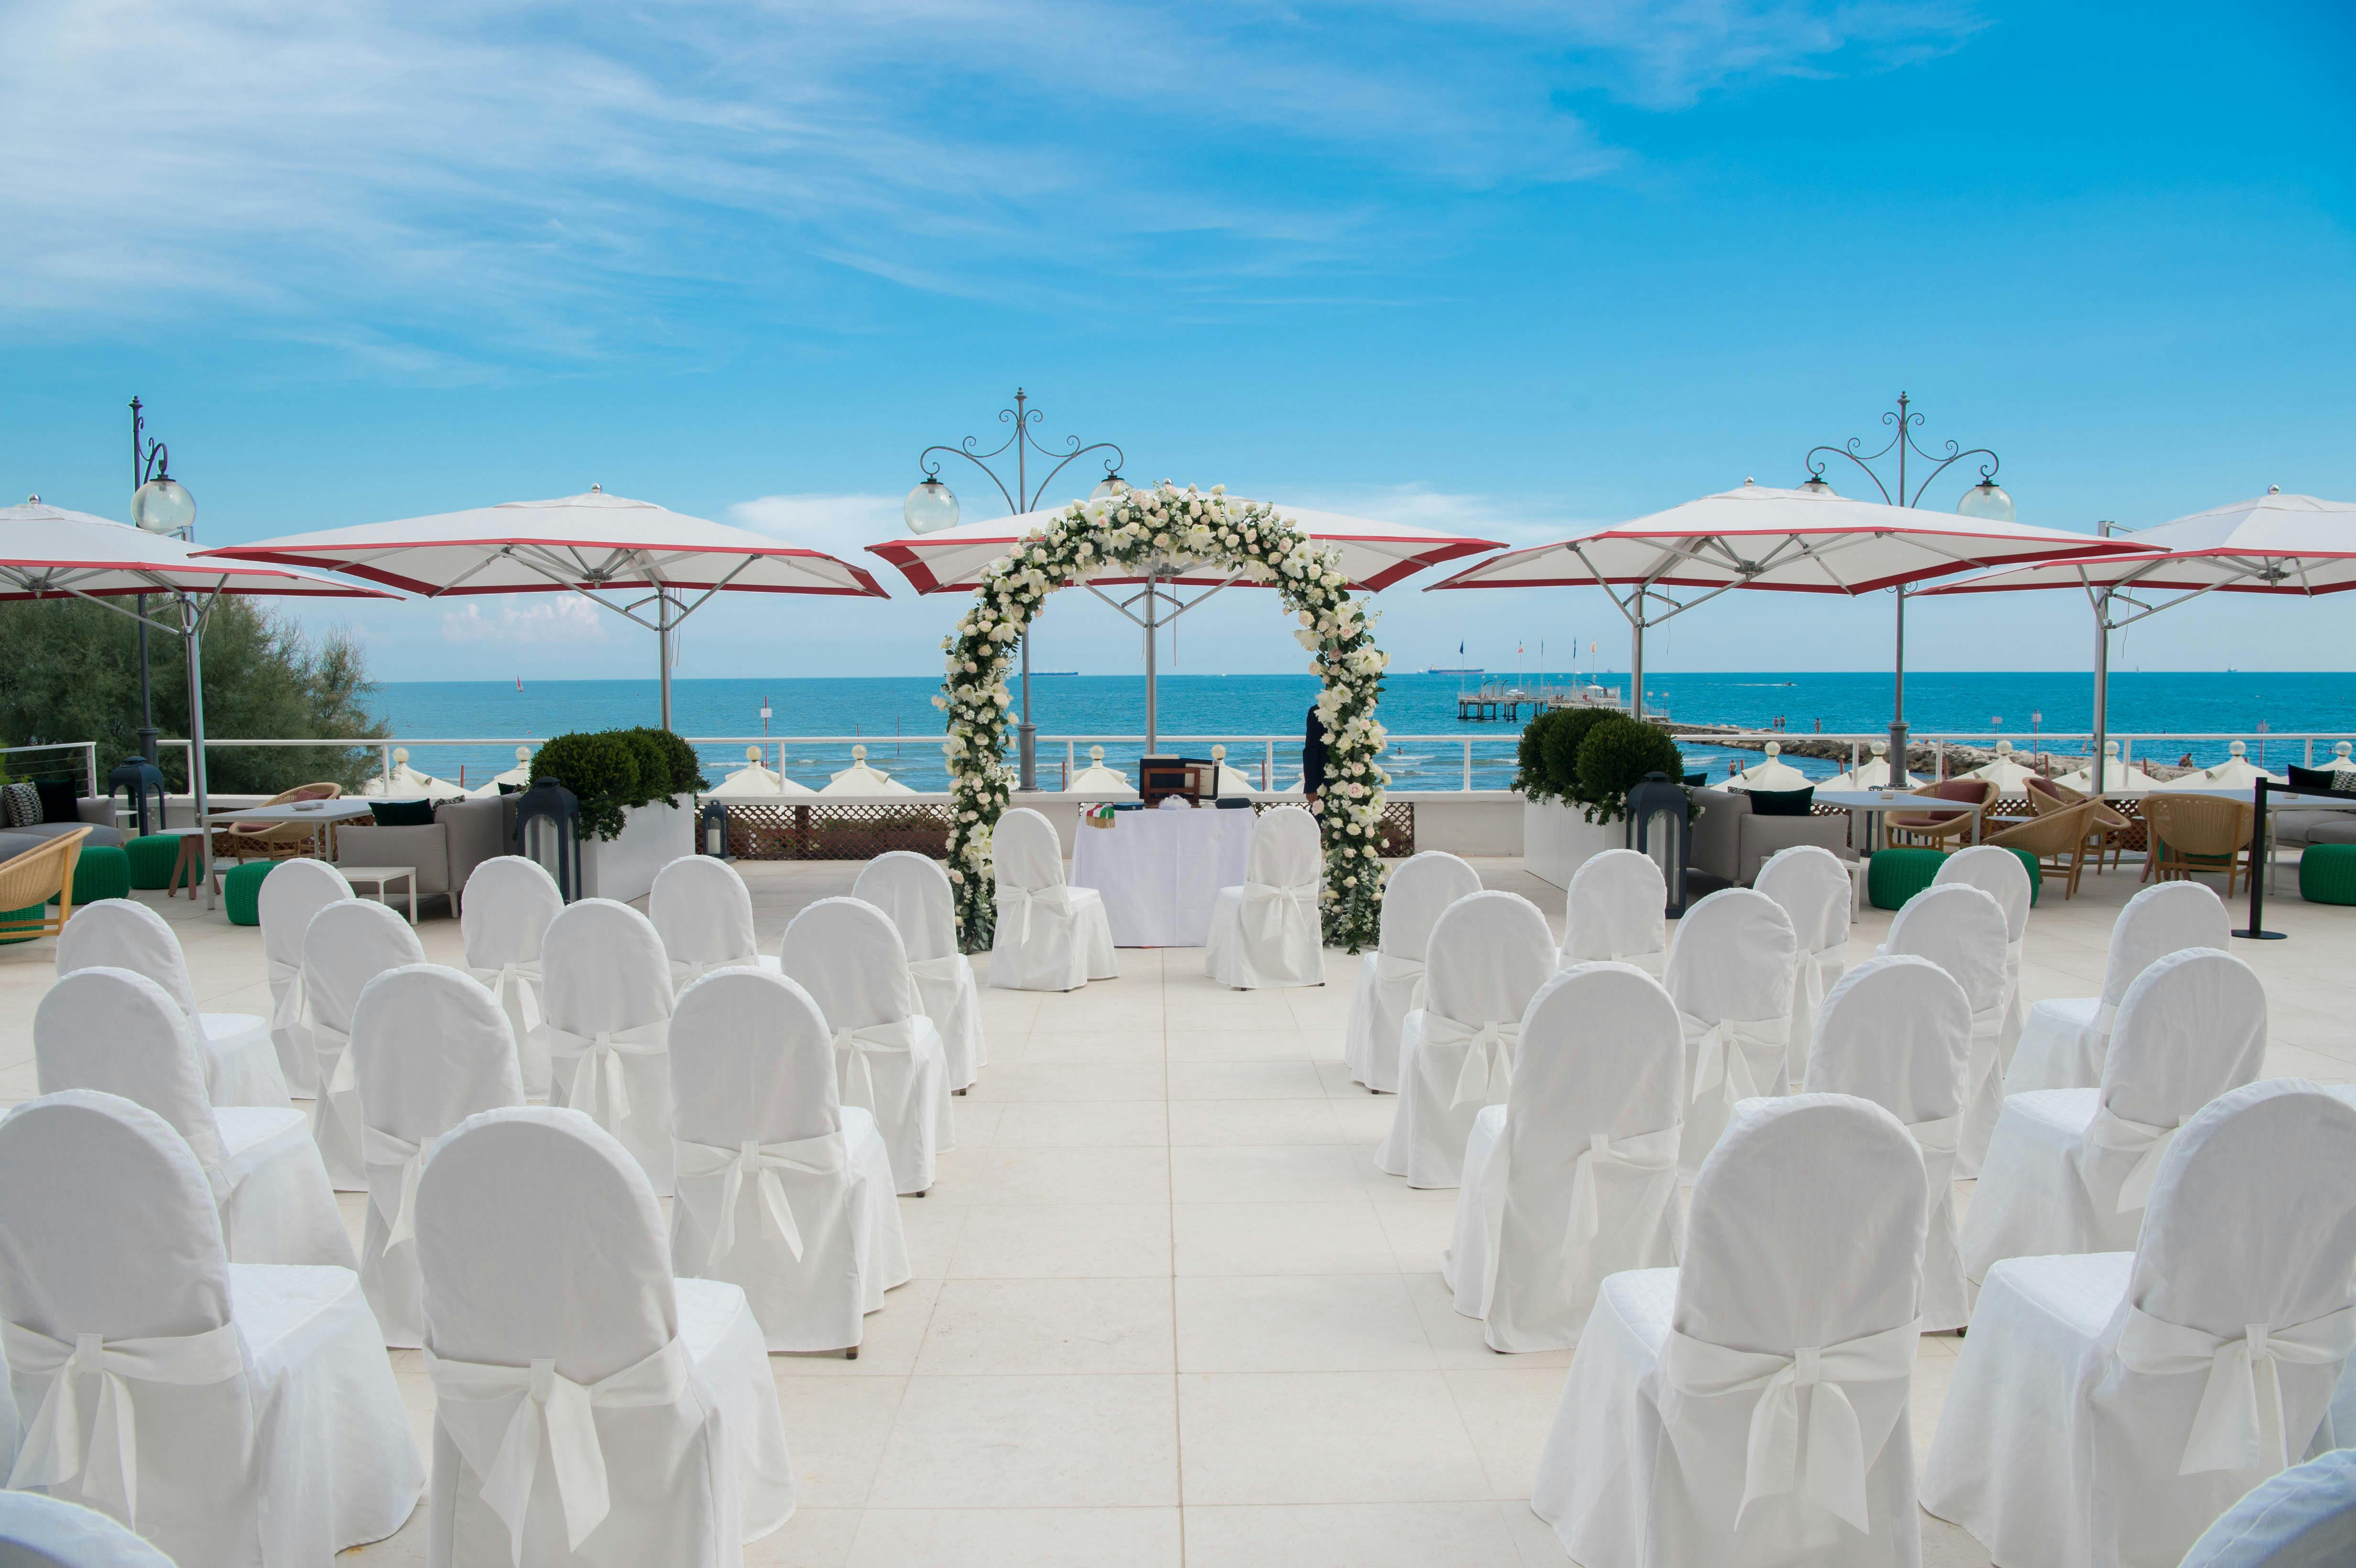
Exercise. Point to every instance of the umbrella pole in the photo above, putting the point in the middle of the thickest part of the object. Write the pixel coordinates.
(1636, 662)
(192, 630)
(2097, 770)
(662, 645)
(1151, 728)
(1900, 777)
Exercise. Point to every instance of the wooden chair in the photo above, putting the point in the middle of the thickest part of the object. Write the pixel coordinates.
(31, 880)
(2111, 828)
(1935, 831)
(2192, 833)
(274, 840)
(2060, 840)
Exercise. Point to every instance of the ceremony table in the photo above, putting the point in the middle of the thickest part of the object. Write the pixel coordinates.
(1160, 871)
(1877, 804)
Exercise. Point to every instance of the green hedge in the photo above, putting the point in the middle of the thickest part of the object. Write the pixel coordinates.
(612, 770)
(1614, 759)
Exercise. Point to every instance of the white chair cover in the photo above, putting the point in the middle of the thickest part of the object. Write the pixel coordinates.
(229, 1412)
(118, 1033)
(240, 1063)
(1897, 1031)
(291, 894)
(1390, 978)
(703, 912)
(2071, 1170)
(1750, 1406)
(1490, 952)
(782, 1189)
(915, 891)
(2062, 1044)
(1963, 931)
(430, 1048)
(504, 918)
(1731, 973)
(606, 988)
(1270, 931)
(1999, 873)
(2304, 1517)
(2107, 1407)
(1616, 909)
(1813, 886)
(1575, 1176)
(1050, 936)
(38, 1532)
(887, 1055)
(589, 1409)
(346, 945)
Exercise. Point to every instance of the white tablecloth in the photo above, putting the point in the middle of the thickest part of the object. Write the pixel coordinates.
(1158, 871)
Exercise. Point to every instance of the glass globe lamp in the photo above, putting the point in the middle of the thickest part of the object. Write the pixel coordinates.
(1987, 502)
(1114, 485)
(163, 505)
(1817, 485)
(930, 507)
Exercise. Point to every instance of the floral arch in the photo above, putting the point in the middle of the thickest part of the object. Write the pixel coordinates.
(1165, 528)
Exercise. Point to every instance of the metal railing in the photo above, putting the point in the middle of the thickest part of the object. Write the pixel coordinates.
(2043, 743)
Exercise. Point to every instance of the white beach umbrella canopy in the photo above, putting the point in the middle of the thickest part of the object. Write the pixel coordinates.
(1871, 774)
(406, 783)
(860, 779)
(516, 777)
(2236, 771)
(605, 548)
(755, 781)
(2009, 775)
(1098, 781)
(2118, 777)
(1770, 774)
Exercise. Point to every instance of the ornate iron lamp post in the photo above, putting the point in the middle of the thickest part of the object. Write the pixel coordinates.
(1986, 501)
(932, 506)
(159, 504)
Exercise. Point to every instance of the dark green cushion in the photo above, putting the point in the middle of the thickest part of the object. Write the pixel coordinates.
(2327, 874)
(152, 859)
(2036, 877)
(15, 918)
(1893, 876)
(101, 873)
(241, 891)
(402, 813)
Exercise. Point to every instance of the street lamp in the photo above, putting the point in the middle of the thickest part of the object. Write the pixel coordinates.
(1984, 501)
(159, 504)
(931, 507)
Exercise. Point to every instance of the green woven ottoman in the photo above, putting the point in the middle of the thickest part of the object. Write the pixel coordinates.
(2036, 877)
(241, 891)
(2327, 874)
(1893, 876)
(17, 919)
(101, 873)
(150, 860)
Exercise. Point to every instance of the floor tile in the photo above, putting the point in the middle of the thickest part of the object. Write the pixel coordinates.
(1326, 1437)
(1350, 1535)
(1298, 1323)
(1018, 1538)
(1028, 1241)
(1282, 1174)
(1344, 1237)
(1032, 1442)
(1049, 1325)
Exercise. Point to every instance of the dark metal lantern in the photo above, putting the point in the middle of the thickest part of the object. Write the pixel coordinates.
(1660, 823)
(713, 819)
(548, 830)
(141, 781)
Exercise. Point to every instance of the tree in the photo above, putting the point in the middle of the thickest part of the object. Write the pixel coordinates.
(73, 675)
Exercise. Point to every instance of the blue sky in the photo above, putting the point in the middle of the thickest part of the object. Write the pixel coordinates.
(1512, 268)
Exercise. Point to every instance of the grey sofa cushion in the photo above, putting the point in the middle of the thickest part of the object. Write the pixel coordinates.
(17, 841)
(1764, 836)
(2341, 830)
(426, 848)
(1719, 816)
(112, 838)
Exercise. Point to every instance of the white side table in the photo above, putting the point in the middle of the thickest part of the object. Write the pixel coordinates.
(382, 879)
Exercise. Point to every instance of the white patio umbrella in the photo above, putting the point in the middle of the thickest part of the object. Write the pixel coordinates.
(516, 777)
(1871, 774)
(1100, 782)
(2299, 545)
(860, 779)
(754, 780)
(2009, 775)
(1793, 541)
(2236, 771)
(2118, 777)
(1374, 555)
(601, 547)
(406, 783)
(1770, 774)
(47, 552)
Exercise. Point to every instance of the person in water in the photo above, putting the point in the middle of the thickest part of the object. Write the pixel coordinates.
(1312, 760)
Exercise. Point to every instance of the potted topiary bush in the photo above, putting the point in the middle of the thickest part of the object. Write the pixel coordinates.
(1614, 758)
(637, 810)
(1562, 828)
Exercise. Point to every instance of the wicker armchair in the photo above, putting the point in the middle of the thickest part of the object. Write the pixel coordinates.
(2192, 833)
(2059, 838)
(2110, 830)
(244, 841)
(1935, 830)
(30, 881)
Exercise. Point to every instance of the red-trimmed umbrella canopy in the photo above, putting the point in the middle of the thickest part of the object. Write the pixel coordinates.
(1793, 541)
(2299, 545)
(47, 552)
(1373, 556)
(595, 545)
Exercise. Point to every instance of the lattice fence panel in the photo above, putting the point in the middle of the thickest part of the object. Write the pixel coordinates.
(798, 832)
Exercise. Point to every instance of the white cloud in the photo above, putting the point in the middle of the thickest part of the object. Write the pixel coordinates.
(540, 618)
(1512, 523)
(839, 525)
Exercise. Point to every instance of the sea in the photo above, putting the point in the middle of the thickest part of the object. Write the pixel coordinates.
(894, 715)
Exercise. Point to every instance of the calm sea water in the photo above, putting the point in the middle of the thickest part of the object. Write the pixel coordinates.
(890, 712)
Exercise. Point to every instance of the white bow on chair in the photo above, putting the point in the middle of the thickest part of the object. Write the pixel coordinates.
(852, 1047)
(1652, 1152)
(55, 1449)
(2148, 1142)
(472, 1397)
(384, 1151)
(599, 1084)
(1830, 1434)
(709, 1164)
(288, 1013)
(2238, 1426)
(1488, 1055)
(521, 980)
(1720, 1061)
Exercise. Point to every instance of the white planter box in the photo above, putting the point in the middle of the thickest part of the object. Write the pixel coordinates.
(1556, 840)
(652, 838)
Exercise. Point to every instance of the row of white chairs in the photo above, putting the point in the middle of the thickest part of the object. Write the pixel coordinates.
(590, 1408)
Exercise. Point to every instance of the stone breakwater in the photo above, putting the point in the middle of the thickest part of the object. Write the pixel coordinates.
(1921, 759)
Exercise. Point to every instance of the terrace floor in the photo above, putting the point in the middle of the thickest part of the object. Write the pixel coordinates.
(1165, 1308)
